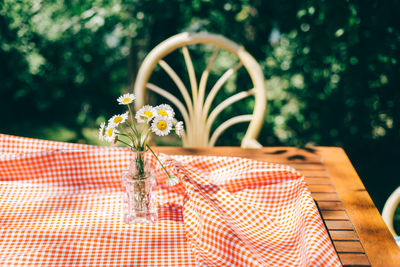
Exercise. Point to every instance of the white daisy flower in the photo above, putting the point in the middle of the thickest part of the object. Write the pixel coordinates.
(161, 125)
(179, 128)
(146, 113)
(111, 134)
(102, 131)
(172, 180)
(126, 99)
(118, 119)
(165, 110)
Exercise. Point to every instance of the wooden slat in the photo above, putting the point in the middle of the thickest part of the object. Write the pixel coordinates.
(348, 246)
(307, 166)
(354, 259)
(317, 180)
(330, 205)
(343, 235)
(315, 173)
(338, 225)
(321, 188)
(293, 154)
(334, 215)
(325, 196)
(375, 237)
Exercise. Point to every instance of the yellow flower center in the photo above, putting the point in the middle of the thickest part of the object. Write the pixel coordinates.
(148, 113)
(117, 119)
(110, 132)
(126, 100)
(162, 125)
(162, 113)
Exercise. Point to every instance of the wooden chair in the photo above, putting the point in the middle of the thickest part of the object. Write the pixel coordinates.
(198, 120)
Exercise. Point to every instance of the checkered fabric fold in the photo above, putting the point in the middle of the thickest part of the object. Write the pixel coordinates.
(60, 204)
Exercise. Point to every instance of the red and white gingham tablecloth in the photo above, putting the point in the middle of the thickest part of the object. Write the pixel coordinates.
(60, 204)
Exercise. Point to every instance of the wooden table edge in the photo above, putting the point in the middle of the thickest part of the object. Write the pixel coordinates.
(379, 244)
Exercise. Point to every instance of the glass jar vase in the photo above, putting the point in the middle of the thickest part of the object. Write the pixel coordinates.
(139, 191)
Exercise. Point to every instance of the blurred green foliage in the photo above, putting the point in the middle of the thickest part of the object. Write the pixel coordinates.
(332, 68)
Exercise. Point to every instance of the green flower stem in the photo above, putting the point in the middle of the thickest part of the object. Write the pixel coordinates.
(143, 127)
(124, 143)
(133, 123)
(142, 141)
(126, 134)
(133, 130)
(147, 136)
(158, 160)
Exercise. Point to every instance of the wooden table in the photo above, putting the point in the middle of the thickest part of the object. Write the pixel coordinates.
(355, 226)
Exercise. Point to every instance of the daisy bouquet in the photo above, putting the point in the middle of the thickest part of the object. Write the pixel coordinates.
(134, 131)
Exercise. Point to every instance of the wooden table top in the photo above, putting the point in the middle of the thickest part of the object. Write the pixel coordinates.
(355, 226)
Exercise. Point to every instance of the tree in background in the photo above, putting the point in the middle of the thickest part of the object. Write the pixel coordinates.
(62, 61)
(332, 68)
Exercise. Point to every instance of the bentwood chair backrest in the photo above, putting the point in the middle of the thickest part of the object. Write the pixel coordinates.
(196, 111)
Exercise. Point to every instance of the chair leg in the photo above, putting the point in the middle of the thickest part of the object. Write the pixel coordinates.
(250, 143)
